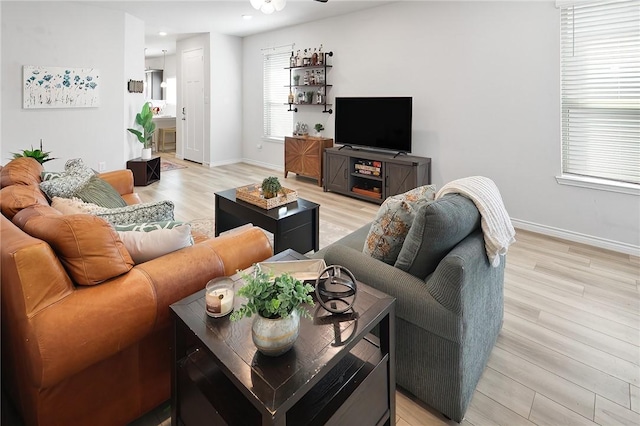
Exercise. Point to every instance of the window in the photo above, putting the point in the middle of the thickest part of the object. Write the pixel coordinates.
(600, 71)
(277, 120)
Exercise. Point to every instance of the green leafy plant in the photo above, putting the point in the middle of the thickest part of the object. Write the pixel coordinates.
(319, 127)
(270, 187)
(144, 119)
(38, 154)
(273, 297)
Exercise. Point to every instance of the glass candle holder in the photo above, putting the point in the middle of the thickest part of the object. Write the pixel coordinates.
(219, 297)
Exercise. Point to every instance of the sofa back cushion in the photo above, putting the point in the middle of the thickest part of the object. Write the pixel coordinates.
(17, 197)
(100, 192)
(21, 171)
(87, 246)
(437, 228)
(24, 215)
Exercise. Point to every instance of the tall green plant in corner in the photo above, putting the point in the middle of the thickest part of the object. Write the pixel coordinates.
(144, 119)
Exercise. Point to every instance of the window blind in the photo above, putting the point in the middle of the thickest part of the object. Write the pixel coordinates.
(277, 120)
(600, 72)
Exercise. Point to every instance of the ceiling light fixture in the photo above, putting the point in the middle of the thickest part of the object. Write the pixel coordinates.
(164, 63)
(162, 33)
(268, 6)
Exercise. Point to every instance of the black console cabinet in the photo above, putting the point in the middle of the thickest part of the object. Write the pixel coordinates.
(373, 176)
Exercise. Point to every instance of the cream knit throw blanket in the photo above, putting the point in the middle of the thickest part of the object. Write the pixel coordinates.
(496, 224)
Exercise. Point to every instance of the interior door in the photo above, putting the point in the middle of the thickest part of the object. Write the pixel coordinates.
(193, 112)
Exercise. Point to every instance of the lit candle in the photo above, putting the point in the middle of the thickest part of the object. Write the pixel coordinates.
(219, 299)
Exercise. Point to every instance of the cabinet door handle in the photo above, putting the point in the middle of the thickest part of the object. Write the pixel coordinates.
(346, 173)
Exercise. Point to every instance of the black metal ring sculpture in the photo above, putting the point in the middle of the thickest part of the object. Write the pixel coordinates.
(328, 290)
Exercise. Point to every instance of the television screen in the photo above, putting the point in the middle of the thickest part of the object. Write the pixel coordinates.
(380, 123)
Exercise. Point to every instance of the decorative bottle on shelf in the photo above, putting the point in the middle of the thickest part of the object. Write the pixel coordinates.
(291, 97)
(305, 58)
(320, 56)
(319, 96)
(292, 60)
(298, 59)
(314, 57)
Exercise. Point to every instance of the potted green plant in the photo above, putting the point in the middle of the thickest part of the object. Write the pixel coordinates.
(38, 154)
(319, 127)
(144, 119)
(276, 304)
(270, 187)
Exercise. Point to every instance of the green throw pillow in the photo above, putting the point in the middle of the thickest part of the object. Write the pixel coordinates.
(101, 193)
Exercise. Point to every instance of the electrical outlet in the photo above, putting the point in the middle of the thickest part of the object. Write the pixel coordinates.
(259, 146)
(102, 166)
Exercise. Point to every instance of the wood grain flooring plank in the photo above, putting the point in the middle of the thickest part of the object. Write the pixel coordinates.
(484, 411)
(557, 388)
(416, 413)
(610, 413)
(546, 412)
(591, 337)
(635, 398)
(506, 391)
(585, 354)
(576, 372)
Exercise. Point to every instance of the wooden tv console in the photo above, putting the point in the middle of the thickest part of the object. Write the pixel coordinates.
(373, 176)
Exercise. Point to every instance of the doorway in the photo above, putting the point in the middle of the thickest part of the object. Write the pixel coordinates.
(193, 105)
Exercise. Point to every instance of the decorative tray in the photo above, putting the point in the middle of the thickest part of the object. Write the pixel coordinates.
(252, 194)
(303, 270)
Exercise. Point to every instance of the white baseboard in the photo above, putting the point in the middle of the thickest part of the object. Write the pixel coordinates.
(223, 163)
(577, 237)
(265, 165)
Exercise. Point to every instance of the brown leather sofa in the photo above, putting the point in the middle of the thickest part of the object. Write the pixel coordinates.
(94, 354)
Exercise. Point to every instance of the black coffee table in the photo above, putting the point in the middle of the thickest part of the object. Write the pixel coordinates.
(295, 225)
(336, 373)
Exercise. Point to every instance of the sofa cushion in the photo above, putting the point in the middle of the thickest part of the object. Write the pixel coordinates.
(132, 214)
(76, 175)
(72, 206)
(87, 246)
(437, 228)
(393, 221)
(24, 215)
(101, 193)
(21, 171)
(50, 175)
(144, 246)
(17, 197)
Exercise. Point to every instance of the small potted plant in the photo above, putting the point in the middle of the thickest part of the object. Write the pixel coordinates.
(319, 127)
(270, 187)
(38, 154)
(277, 306)
(144, 119)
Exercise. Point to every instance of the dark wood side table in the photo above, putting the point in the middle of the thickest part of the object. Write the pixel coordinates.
(295, 225)
(144, 171)
(337, 373)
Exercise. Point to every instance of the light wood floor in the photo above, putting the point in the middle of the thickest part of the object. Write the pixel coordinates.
(569, 350)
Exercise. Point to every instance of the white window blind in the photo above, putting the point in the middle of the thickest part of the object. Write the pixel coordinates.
(277, 120)
(600, 67)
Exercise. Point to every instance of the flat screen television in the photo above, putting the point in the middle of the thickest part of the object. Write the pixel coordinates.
(382, 123)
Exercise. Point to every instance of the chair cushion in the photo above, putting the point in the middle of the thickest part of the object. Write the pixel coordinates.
(437, 228)
(144, 246)
(14, 198)
(87, 246)
(21, 171)
(101, 193)
(393, 221)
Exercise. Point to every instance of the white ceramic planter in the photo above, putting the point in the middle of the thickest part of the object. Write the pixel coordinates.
(274, 337)
(146, 154)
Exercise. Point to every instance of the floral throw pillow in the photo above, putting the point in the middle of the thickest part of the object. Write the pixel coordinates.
(393, 221)
(75, 176)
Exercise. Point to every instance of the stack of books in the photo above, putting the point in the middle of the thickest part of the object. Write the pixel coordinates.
(367, 167)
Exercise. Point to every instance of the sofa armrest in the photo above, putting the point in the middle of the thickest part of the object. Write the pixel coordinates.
(414, 303)
(87, 326)
(177, 275)
(121, 180)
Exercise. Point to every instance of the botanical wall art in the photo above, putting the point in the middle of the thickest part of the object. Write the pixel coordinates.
(60, 87)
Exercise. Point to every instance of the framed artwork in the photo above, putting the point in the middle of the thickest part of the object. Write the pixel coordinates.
(60, 87)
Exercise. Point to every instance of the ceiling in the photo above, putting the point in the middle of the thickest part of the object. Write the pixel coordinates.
(182, 19)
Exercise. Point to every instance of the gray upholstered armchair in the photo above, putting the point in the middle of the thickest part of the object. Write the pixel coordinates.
(449, 302)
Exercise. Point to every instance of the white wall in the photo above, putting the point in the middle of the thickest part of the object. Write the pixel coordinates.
(226, 100)
(485, 80)
(72, 35)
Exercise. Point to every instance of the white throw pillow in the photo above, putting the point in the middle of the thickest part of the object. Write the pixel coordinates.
(144, 246)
